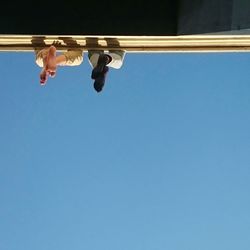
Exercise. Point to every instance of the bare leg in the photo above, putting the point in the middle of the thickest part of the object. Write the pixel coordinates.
(61, 60)
(50, 63)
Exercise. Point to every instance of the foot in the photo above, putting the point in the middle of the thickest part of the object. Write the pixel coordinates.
(43, 77)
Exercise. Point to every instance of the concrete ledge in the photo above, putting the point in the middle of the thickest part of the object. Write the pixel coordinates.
(136, 44)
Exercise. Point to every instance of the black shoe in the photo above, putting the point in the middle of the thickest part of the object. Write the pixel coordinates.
(103, 60)
(100, 80)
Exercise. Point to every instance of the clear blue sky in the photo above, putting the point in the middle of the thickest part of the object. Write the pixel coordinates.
(159, 160)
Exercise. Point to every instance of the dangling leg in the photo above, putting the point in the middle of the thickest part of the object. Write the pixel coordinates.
(99, 60)
(49, 62)
(46, 58)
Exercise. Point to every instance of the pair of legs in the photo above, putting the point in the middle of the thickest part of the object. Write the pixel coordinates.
(101, 61)
(48, 60)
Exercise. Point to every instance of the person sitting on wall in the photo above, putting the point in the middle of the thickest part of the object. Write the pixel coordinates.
(48, 60)
(101, 62)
